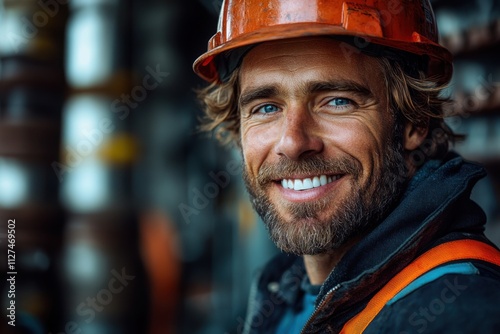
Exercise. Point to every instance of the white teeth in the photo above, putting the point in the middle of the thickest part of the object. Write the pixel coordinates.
(316, 182)
(308, 183)
(298, 185)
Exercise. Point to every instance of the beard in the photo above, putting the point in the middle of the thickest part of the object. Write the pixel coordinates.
(305, 233)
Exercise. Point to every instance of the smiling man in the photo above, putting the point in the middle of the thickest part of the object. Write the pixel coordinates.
(318, 144)
(336, 108)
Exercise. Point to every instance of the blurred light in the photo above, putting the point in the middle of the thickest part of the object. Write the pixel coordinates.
(448, 22)
(13, 184)
(468, 76)
(90, 47)
(81, 3)
(83, 117)
(99, 328)
(85, 188)
(13, 31)
(83, 263)
(86, 185)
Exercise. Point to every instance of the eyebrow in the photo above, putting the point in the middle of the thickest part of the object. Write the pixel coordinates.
(257, 93)
(338, 85)
(269, 91)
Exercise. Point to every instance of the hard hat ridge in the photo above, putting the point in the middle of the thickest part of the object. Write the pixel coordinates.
(406, 28)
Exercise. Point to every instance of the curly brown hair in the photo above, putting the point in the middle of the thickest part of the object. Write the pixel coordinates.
(418, 100)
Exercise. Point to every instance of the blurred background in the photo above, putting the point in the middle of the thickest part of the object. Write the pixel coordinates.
(127, 219)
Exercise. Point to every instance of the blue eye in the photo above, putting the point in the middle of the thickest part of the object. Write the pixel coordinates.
(267, 109)
(339, 101)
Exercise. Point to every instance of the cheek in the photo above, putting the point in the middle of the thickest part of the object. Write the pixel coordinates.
(363, 140)
(256, 145)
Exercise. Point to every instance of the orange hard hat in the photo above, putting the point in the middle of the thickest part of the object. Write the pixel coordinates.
(406, 27)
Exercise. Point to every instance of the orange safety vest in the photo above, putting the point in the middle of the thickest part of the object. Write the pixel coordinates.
(447, 252)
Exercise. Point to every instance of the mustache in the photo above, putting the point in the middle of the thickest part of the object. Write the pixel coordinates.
(315, 165)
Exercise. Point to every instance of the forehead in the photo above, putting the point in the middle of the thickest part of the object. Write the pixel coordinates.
(304, 59)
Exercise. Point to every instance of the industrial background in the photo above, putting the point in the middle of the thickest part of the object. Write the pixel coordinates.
(128, 220)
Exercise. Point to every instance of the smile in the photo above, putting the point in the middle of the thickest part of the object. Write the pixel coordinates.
(308, 183)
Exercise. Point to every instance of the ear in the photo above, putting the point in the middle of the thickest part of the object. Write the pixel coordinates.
(414, 136)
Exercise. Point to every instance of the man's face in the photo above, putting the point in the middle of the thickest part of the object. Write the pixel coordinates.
(322, 160)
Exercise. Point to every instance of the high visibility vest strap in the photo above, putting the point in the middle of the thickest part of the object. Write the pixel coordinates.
(437, 256)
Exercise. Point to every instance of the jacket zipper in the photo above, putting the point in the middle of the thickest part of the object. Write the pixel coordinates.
(320, 305)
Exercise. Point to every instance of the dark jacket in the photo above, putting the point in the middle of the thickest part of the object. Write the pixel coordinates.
(435, 208)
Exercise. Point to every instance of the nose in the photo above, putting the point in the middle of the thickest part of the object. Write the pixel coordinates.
(299, 136)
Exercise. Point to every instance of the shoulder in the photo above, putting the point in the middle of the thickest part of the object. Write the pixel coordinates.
(453, 303)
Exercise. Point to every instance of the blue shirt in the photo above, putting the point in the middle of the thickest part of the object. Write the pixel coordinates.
(295, 319)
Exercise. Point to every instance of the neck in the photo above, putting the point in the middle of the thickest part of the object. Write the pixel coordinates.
(319, 266)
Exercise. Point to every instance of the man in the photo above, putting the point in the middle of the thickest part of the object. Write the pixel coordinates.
(336, 108)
